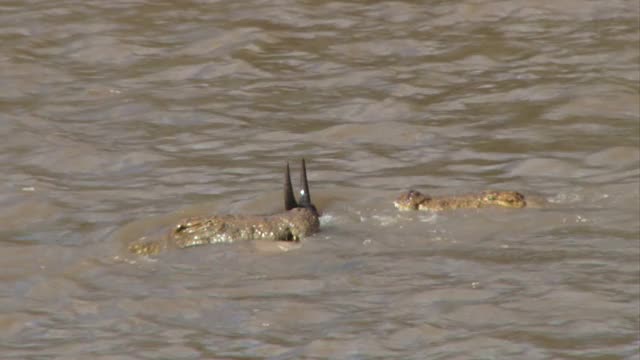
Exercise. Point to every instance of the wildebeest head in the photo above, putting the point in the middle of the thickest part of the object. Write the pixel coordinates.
(305, 196)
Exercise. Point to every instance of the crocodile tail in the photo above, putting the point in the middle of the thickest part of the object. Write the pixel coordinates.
(289, 198)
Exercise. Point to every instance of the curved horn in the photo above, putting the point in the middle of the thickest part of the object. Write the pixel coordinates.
(289, 199)
(305, 196)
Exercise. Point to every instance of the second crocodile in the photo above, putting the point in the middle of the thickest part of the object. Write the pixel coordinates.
(415, 200)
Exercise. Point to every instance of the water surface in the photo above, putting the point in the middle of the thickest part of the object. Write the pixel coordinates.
(118, 119)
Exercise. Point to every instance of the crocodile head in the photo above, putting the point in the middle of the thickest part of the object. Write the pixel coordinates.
(410, 200)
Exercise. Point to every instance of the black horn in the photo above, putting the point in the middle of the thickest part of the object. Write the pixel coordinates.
(289, 198)
(305, 196)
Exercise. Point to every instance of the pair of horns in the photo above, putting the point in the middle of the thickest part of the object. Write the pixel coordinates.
(305, 197)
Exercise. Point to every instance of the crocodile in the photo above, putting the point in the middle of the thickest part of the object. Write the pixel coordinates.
(298, 220)
(415, 200)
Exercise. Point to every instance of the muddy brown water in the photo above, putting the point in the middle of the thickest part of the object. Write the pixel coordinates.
(119, 118)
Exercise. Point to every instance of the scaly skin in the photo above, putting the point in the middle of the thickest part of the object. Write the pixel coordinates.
(415, 200)
(291, 225)
(297, 221)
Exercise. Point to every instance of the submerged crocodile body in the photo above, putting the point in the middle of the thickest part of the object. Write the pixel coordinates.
(415, 200)
(297, 221)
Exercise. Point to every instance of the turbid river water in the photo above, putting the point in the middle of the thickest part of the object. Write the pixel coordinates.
(119, 118)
